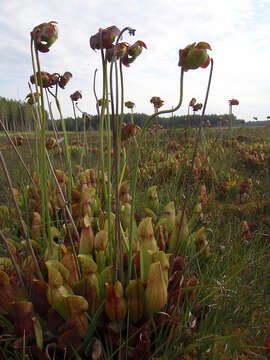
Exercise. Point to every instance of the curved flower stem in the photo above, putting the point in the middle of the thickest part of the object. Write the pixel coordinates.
(55, 130)
(122, 99)
(231, 119)
(46, 220)
(104, 105)
(135, 176)
(95, 95)
(76, 121)
(114, 113)
(101, 124)
(188, 185)
(131, 116)
(118, 248)
(109, 164)
(121, 125)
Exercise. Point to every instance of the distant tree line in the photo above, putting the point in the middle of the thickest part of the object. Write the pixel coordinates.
(174, 121)
(18, 116)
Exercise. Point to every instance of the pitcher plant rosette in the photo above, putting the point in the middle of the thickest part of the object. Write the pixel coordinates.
(82, 276)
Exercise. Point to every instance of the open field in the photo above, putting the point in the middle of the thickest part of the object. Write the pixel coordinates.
(225, 310)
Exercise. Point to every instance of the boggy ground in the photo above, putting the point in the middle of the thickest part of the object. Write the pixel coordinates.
(229, 198)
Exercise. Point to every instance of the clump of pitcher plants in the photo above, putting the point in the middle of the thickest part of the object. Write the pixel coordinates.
(87, 277)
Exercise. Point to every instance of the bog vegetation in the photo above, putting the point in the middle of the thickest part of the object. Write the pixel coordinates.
(131, 236)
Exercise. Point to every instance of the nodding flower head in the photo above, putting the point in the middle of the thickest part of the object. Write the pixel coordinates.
(64, 79)
(156, 101)
(44, 80)
(133, 52)
(128, 131)
(233, 102)
(197, 106)
(194, 56)
(121, 51)
(44, 35)
(76, 96)
(129, 104)
(102, 102)
(32, 98)
(192, 102)
(108, 36)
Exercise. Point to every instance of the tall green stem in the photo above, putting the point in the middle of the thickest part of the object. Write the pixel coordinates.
(68, 159)
(188, 185)
(135, 176)
(45, 215)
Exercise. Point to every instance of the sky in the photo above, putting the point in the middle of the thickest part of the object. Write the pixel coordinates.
(237, 30)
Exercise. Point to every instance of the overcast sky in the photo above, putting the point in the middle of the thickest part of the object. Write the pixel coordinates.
(237, 30)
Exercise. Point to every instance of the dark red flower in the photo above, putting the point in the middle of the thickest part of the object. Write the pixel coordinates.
(197, 106)
(233, 102)
(64, 79)
(45, 79)
(192, 102)
(128, 131)
(54, 78)
(133, 52)
(76, 96)
(129, 104)
(156, 101)
(44, 35)
(108, 36)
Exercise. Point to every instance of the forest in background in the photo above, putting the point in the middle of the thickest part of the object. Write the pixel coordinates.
(18, 116)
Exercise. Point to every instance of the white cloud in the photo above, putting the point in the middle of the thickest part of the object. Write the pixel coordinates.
(238, 32)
